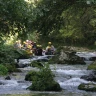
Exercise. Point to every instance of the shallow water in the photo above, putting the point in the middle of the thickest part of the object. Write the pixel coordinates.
(68, 76)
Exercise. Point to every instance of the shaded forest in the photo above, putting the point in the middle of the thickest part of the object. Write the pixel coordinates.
(67, 21)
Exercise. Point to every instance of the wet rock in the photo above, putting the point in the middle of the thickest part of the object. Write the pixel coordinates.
(92, 66)
(23, 65)
(27, 62)
(87, 87)
(43, 80)
(90, 77)
(13, 74)
(92, 58)
(8, 78)
(1, 83)
(37, 64)
(65, 55)
(43, 60)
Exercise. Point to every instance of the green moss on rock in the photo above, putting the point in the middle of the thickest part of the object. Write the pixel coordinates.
(44, 81)
(36, 64)
(87, 87)
(30, 76)
(92, 66)
(65, 55)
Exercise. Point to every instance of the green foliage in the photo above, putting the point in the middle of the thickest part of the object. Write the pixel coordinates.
(22, 54)
(13, 17)
(69, 21)
(3, 70)
(36, 64)
(92, 66)
(7, 54)
(12, 68)
(44, 81)
(31, 75)
(49, 18)
(88, 87)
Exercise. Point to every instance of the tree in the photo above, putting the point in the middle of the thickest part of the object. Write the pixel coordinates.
(64, 19)
(13, 17)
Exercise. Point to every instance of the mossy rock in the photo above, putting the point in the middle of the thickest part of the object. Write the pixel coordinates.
(51, 86)
(36, 64)
(66, 56)
(54, 60)
(30, 75)
(44, 81)
(87, 87)
(92, 66)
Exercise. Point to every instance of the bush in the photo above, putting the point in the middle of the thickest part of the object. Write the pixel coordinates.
(30, 76)
(12, 67)
(7, 54)
(44, 81)
(36, 64)
(3, 70)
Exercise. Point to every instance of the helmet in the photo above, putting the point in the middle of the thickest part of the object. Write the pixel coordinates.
(37, 45)
(49, 43)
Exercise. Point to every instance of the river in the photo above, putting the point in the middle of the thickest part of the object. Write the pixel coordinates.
(68, 76)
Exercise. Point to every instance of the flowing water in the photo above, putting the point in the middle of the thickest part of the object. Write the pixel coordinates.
(68, 76)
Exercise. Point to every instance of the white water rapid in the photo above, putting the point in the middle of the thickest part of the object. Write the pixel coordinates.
(68, 76)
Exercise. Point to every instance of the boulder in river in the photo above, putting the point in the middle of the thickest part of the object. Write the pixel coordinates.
(92, 66)
(90, 77)
(66, 55)
(44, 80)
(8, 78)
(1, 83)
(87, 87)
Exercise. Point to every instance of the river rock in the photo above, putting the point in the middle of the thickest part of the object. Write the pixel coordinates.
(66, 55)
(1, 83)
(87, 87)
(92, 59)
(52, 86)
(92, 66)
(8, 78)
(90, 77)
